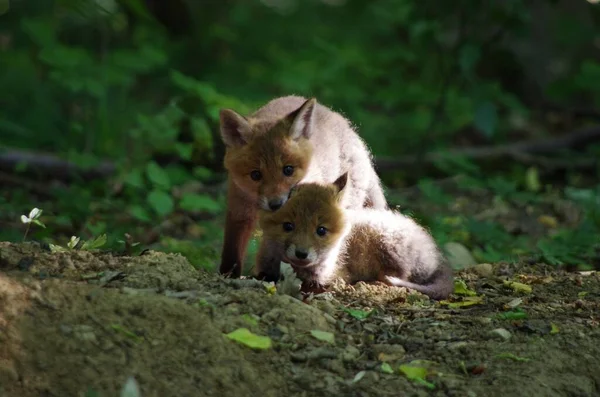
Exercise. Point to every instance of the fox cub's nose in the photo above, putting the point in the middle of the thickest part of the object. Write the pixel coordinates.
(300, 254)
(275, 204)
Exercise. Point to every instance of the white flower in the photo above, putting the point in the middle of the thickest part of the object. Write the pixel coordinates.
(74, 241)
(33, 214)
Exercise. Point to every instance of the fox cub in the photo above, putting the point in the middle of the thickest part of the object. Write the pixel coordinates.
(287, 141)
(322, 241)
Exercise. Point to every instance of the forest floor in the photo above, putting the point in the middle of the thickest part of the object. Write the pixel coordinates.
(80, 323)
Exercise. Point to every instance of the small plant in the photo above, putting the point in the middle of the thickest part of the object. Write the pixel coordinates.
(33, 217)
(70, 245)
(87, 245)
(129, 244)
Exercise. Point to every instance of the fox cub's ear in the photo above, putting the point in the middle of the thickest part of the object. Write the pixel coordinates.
(235, 129)
(340, 184)
(302, 120)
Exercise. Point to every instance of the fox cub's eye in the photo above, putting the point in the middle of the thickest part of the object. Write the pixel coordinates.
(288, 226)
(255, 175)
(321, 231)
(288, 170)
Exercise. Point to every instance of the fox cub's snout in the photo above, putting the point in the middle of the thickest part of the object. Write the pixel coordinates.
(266, 160)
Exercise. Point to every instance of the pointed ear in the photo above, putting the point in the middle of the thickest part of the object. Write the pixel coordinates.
(235, 129)
(302, 120)
(340, 184)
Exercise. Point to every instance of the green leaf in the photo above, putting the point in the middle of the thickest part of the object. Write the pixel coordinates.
(460, 288)
(359, 376)
(129, 334)
(469, 55)
(250, 319)
(96, 228)
(202, 173)
(512, 357)
(359, 314)
(184, 150)
(486, 118)
(95, 243)
(245, 337)
(516, 314)
(157, 175)
(386, 368)
(161, 202)
(518, 287)
(323, 336)
(193, 202)
(56, 248)
(416, 374)
(532, 180)
(38, 222)
(140, 213)
(134, 178)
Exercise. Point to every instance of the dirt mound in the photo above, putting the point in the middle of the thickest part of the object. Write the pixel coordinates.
(80, 323)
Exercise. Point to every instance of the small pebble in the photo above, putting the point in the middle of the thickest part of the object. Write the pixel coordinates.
(500, 333)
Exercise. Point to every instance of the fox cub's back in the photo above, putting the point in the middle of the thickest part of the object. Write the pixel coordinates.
(291, 140)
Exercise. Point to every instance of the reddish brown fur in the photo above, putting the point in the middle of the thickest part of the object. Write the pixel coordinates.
(279, 151)
(289, 131)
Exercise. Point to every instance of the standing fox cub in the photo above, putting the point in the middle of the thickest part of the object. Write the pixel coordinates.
(287, 141)
(322, 241)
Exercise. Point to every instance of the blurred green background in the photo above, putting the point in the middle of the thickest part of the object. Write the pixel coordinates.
(128, 92)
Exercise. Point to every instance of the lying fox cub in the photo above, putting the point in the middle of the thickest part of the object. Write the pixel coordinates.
(322, 241)
(287, 141)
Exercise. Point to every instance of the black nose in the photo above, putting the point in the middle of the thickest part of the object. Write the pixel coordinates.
(275, 204)
(301, 254)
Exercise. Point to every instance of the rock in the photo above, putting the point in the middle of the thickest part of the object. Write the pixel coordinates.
(458, 255)
(388, 352)
(500, 333)
(457, 345)
(315, 354)
(350, 353)
(484, 270)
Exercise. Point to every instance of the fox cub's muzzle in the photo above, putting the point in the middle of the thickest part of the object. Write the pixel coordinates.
(273, 204)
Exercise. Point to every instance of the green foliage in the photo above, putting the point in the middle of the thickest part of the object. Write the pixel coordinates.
(200, 255)
(569, 247)
(89, 81)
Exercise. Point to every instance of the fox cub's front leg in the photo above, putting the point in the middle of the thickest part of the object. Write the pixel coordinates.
(239, 224)
(268, 260)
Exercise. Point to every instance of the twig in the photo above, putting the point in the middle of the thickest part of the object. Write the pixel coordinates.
(41, 191)
(48, 164)
(574, 140)
(575, 111)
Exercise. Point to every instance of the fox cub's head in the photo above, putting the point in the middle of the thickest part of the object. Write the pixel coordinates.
(310, 224)
(267, 164)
